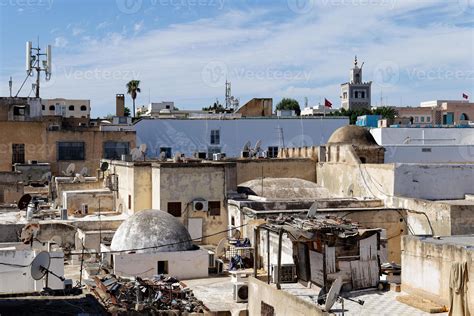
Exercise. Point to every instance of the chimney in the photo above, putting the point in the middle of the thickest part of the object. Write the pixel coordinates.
(120, 105)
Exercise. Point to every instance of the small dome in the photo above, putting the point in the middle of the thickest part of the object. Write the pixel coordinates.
(352, 134)
(285, 188)
(151, 228)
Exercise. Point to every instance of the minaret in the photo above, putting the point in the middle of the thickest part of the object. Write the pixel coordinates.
(356, 94)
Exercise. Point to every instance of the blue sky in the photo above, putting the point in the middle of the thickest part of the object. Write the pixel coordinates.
(183, 50)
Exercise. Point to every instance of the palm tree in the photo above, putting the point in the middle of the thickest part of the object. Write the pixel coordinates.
(132, 89)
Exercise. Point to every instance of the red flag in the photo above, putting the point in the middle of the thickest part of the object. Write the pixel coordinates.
(465, 96)
(327, 103)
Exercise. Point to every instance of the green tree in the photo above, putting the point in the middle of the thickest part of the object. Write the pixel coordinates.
(216, 107)
(126, 111)
(289, 104)
(133, 88)
(387, 112)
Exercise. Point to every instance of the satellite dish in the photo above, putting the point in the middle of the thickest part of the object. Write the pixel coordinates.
(143, 148)
(333, 294)
(220, 247)
(84, 172)
(104, 166)
(177, 157)
(246, 146)
(40, 265)
(312, 210)
(79, 178)
(162, 156)
(258, 145)
(24, 201)
(70, 170)
(136, 154)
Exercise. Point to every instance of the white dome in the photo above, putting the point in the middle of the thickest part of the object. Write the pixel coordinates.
(151, 228)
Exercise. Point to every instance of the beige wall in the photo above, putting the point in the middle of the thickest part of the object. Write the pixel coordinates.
(94, 199)
(283, 303)
(181, 183)
(41, 144)
(134, 185)
(302, 168)
(426, 268)
(257, 107)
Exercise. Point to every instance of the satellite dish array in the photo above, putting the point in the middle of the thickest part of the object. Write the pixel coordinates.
(139, 153)
(253, 152)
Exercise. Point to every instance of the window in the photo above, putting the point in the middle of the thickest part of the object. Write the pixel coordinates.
(422, 119)
(344, 95)
(232, 221)
(18, 153)
(215, 137)
(71, 151)
(174, 208)
(83, 108)
(215, 208)
(19, 110)
(123, 120)
(162, 267)
(416, 119)
(43, 107)
(362, 93)
(129, 202)
(115, 150)
(52, 108)
(428, 119)
(272, 152)
(71, 108)
(167, 151)
(167, 106)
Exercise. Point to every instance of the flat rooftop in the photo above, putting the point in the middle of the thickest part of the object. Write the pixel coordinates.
(458, 240)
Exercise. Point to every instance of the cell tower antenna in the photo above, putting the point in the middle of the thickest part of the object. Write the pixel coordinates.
(10, 85)
(34, 62)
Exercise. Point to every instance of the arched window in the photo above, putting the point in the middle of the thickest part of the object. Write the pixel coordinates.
(83, 108)
(51, 108)
(71, 108)
(464, 117)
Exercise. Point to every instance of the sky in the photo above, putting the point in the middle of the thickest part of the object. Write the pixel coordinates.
(185, 50)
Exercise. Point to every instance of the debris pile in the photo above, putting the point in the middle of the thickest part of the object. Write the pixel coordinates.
(146, 296)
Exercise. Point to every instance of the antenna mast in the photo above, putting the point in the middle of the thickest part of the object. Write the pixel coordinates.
(34, 62)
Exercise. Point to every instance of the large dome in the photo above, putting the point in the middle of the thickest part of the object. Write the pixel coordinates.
(352, 134)
(150, 228)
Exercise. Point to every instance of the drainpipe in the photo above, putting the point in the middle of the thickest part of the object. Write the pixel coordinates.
(256, 240)
(280, 238)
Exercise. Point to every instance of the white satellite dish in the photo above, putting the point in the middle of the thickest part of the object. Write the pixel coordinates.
(79, 178)
(312, 210)
(162, 156)
(70, 170)
(136, 154)
(177, 157)
(333, 294)
(220, 247)
(246, 146)
(258, 145)
(84, 172)
(40, 265)
(143, 148)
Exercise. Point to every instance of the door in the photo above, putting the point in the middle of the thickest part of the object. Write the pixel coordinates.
(195, 228)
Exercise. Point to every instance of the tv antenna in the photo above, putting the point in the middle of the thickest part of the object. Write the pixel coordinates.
(34, 62)
(40, 267)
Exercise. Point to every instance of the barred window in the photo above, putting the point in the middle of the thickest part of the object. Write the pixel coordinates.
(215, 208)
(115, 150)
(71, 151)
(215, 137)
(174, 208)
(272, 152)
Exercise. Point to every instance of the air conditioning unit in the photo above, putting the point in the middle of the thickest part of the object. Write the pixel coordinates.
(241, 292)
(212, 259)
(288, 273)
(201, 206)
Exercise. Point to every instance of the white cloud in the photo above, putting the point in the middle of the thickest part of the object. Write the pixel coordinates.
(265, 55)
(77, 31)
(60, 42)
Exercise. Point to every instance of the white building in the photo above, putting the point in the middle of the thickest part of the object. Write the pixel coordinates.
(66, 107)
(228, 136)
(153, 242)
(317, 110)
(426, 145)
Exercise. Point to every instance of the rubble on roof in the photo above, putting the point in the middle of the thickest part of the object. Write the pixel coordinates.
(161, 294)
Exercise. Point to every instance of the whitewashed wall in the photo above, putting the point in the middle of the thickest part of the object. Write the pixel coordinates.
(429, 153)
(188, 136)
(426, 136)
